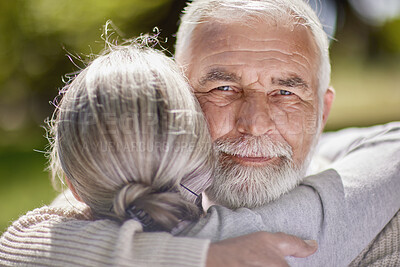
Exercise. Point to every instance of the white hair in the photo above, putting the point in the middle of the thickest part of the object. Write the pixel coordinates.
(283, 11)
(130, 137)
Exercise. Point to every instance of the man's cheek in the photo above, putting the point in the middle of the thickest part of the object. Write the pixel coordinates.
(302, 124)
(220, 123)
(291, 127)
(281, 122)
(295, 123)
(289, 124)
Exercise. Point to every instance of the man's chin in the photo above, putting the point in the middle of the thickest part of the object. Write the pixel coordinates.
(237, 185)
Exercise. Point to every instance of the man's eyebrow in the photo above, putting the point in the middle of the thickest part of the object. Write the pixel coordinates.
(218, 74)
(293, 81)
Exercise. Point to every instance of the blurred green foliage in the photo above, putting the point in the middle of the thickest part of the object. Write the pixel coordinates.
(37, 35)
(365, 74)
(390, 36)
(36, 38)
(23, 184)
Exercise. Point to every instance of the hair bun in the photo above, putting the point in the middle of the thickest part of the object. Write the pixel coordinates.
(140, 215)
(155, 210)
(124, 202)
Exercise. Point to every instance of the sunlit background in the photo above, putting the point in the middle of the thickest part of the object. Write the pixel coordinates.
(37, 35)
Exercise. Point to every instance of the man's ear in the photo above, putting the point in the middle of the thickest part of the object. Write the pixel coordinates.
(329, 96)
(72, 188)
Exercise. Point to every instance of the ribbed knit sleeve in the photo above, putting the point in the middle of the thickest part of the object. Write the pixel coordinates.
(384, 250)
(59, 237)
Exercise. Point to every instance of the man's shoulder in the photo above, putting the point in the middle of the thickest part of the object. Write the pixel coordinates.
(334, 145)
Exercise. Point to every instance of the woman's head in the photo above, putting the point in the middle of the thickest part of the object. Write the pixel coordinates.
(130, 138)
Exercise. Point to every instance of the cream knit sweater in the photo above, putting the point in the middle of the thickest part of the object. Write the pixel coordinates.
(384, 250)
(51, 236)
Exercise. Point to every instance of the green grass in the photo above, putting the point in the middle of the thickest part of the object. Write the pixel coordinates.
(24, 185)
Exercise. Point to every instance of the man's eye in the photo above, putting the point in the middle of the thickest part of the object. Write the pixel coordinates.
(223, 88)
(284, 92)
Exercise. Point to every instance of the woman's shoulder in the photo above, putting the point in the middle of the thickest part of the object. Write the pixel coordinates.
(48, 214)
(57, 236)
(40, 223)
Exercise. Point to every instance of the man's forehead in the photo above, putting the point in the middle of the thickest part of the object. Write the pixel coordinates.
(213, 36)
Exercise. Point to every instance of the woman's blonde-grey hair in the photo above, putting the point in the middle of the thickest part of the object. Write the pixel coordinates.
(130, 137)
(282, 11)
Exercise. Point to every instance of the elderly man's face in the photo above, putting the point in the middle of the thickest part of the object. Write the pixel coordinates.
(257, 85)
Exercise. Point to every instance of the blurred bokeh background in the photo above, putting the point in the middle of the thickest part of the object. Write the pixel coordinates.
(38, 38)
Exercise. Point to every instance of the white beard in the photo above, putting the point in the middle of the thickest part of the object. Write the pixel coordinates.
(235, 185)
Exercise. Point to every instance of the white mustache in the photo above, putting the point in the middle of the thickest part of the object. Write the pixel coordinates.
(253, 146)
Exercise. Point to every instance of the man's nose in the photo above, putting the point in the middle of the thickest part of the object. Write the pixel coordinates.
(254, 117)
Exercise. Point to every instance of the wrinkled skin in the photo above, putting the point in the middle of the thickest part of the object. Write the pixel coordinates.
(258, 79)
(259, 249)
